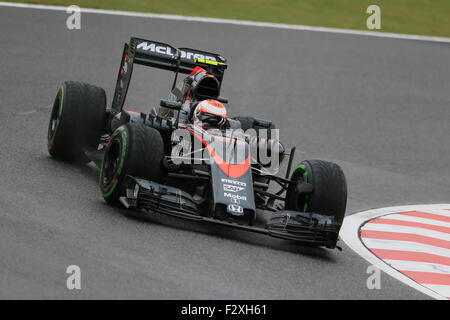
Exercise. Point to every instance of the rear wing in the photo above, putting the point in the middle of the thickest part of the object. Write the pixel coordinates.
(162, 56)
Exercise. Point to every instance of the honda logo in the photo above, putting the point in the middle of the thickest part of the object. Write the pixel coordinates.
(235, 208)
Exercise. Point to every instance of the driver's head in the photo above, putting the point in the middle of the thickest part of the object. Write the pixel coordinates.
(210, 113)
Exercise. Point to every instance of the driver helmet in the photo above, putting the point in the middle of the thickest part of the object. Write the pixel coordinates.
(210, 112)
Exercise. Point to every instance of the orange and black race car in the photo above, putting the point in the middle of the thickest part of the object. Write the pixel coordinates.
(190, 159)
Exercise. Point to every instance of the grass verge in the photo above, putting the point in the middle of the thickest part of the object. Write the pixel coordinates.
(423, 17)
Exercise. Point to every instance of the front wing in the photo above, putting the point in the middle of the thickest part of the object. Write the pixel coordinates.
(305, 227)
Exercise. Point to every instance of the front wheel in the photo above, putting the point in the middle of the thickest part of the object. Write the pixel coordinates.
(329, 195)
(135, 150)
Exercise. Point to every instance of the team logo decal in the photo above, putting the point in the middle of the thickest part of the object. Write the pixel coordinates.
(235, 208)
(230, 188)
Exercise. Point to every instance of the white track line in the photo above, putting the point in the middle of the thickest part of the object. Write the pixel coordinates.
(405, 246)
(418, 266)
(405, 229)
(439, 288)
(402, 217)
(235, 22)
(441, 212)
(350, 235)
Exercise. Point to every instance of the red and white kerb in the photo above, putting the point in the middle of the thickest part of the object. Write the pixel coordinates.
(410, 243)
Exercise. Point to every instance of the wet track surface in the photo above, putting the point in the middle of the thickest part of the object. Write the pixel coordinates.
(378, 107)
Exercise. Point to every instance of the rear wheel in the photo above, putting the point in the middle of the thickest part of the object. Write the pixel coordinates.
(329, 195)
(76, 120)
(135, 150)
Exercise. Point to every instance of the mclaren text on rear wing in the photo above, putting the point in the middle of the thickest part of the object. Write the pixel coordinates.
(162, 56)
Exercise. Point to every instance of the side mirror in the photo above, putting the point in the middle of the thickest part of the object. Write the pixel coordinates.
(174, 105)
(221, 99)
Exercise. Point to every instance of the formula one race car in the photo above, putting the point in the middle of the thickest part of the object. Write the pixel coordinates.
(190, 159)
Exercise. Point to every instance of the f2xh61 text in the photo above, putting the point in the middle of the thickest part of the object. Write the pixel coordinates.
(230, 309)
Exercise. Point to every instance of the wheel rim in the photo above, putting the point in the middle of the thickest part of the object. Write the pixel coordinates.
(302, 203)
(112, 161)
(303, 199)
(54, 117)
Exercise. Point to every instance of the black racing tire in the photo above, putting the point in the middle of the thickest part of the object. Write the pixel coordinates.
(329, 195)
(76, 121)
(133, 149)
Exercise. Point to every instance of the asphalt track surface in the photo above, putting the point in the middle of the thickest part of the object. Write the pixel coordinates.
(378, 107)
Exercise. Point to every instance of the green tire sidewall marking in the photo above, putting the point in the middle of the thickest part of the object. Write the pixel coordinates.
(58, 120)
(305, 179)
(124, 148)
(122, 160)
